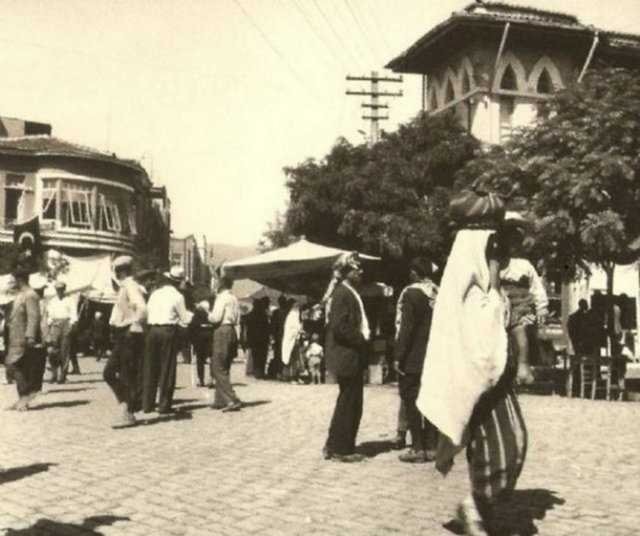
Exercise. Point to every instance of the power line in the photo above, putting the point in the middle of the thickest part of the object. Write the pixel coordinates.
(318, 34)
(335, 33)
(380, 31)
(361, 28)
(275, 50)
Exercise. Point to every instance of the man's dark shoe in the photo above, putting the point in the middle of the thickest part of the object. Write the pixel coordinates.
(75, 372)
(326, 453)
(414, 456)
(233, 406)
(166, 411)
(348, 458)
(400, 441)
(218, 406)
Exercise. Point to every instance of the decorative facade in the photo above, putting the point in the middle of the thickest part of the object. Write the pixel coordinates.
(87, 201)
(496, 64)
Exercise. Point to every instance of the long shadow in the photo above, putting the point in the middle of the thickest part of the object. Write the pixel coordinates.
(179, 415)
(254, 403)
(517, 514)
(206, 405)
(69, 382)
(18, 473)
(88, 527)
(371, 449)
(72, 390)
(64, 404)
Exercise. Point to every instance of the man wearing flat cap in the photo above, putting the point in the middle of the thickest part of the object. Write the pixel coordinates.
(166, 313)
(346, 342)
(24, 333)
(62, 315)
(123, 371)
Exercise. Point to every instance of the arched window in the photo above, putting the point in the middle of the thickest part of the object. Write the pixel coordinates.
(450, 95)
(466, 83)
(545, 84)
(433, 101)
(509, 80)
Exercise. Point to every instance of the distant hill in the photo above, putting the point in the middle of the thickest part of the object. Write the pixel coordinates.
(218, 253)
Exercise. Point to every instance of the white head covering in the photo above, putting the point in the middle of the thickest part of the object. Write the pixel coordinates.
(467, 350)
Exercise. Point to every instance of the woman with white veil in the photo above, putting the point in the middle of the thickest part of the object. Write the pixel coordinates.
(466, 386)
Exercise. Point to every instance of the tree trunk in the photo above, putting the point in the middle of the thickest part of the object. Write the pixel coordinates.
(609, 269)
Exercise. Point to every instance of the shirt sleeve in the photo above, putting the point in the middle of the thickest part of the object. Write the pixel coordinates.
(407, 321)
(138, 305)
(184, 316)
(215, 317)
(73, 311)
(538, 292)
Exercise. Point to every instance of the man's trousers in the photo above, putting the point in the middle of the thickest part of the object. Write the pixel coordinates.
(160, 363)
(123, 371)
(346, 416)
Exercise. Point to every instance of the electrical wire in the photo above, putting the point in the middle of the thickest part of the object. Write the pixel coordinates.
(277, 52)
(335, 33)
(318, 34)
(361, 28)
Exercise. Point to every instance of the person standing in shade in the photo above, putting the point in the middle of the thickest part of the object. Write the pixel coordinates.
(124, 367)
(258, 335)
(62, 316)
(345, 351)
(166, 312)
(201, 334)
(24, 332)
(225, 318)
(413, 320)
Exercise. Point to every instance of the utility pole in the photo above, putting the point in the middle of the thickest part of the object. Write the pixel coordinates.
(374, 104)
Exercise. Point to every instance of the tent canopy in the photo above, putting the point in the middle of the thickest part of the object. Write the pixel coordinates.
(300, 268)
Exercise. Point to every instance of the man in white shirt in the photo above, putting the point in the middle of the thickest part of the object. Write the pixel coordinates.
(123, 370)
(61, 316)
(166, 312)
(225, 318)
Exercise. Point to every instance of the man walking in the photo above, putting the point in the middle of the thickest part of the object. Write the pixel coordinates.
(413, 322)
(123, 370)
(225, 318)
(346, 342)
(166, 312)
(61, 318)
(24, 329)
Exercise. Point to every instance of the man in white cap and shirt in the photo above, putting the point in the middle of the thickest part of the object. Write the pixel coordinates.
(166, 312)
(62, 315)
(123, 371)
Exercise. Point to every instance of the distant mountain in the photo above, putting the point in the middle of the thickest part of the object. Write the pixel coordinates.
(229, 252)
(218, 253)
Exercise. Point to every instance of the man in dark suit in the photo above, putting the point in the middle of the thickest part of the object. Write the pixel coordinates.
(413, 322)
(24, 333)
(345, 350)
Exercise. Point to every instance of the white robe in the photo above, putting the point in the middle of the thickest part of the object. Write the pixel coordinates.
(467, 351)
(292, 328)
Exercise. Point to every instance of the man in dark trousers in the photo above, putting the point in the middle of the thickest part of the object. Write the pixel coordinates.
(345, 350)
(258, 335)
(123, 371)
(413, 322)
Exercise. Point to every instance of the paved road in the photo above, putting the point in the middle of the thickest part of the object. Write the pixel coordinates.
(260, 471)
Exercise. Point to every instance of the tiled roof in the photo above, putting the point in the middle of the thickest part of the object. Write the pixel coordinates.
(49, 145)
(504, 12)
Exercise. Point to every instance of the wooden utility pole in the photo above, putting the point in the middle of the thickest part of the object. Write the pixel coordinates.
(374, 104)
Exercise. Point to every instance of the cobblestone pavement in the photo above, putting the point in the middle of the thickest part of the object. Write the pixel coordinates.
(64, 471)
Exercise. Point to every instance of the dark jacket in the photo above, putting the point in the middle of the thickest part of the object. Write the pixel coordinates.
(413, 334)
(345, 347)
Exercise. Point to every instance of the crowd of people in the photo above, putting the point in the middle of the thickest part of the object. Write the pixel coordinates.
(460, 345)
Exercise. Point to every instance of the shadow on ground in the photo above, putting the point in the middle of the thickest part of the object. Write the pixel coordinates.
(18, 473)
(65, 404)
(516, 515)
(207, 405)
(87, 528)
(72, 390)
(371, 449)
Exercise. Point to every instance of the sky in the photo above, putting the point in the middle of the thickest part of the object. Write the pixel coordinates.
(216, 97)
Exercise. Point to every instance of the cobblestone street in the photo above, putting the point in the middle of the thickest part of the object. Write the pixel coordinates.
(64, 471)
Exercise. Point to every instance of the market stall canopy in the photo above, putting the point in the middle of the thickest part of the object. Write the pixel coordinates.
(92, 276)
(300, 268)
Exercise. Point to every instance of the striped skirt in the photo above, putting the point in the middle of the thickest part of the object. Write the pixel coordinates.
(498, 444)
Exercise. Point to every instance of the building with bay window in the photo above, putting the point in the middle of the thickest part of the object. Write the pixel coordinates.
(87, 201)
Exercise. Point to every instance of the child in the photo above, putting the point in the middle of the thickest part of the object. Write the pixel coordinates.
(314, 356)
(528, 300)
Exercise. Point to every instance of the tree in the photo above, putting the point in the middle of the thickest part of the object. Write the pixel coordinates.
(577, 173)
(389, 200)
